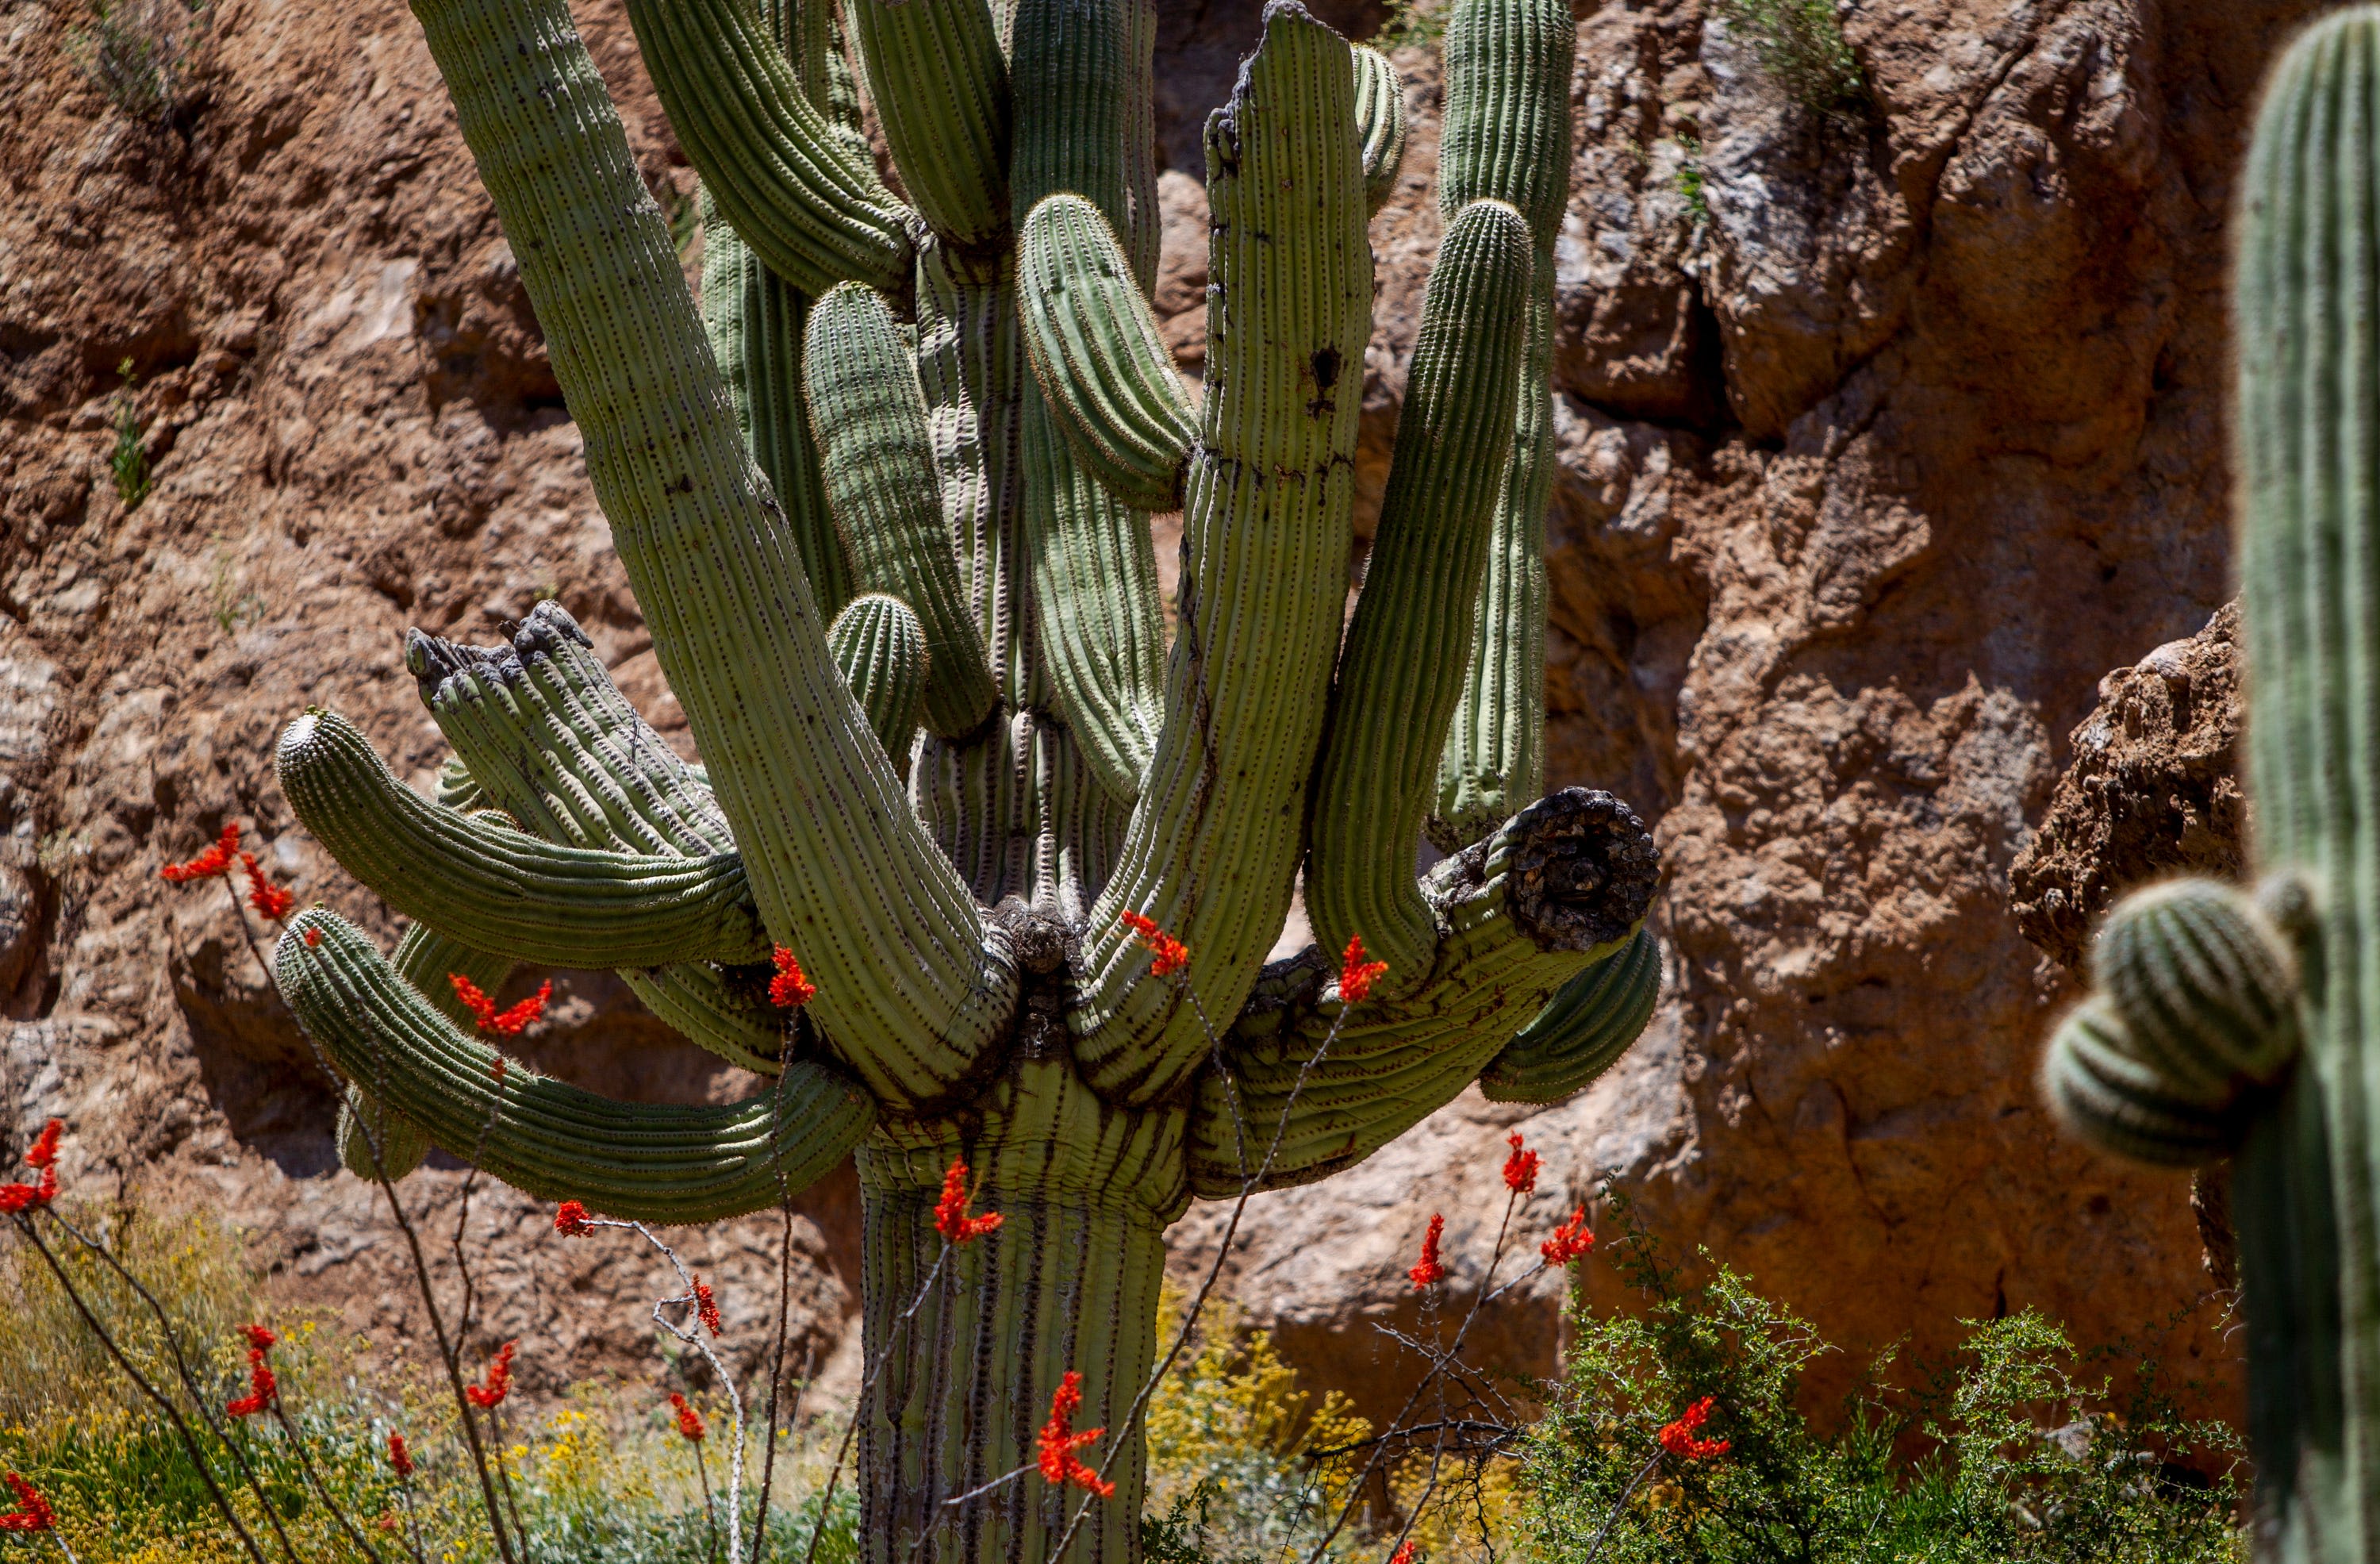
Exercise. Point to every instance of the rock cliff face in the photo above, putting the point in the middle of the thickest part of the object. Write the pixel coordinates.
(1885, 430)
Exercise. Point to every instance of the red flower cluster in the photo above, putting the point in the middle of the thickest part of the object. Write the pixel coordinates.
(1405, 1553)
(706, 1305)
(1427, 1269)
(1171, 953)
(1521, 1168)
(570, 1219)
(313, 937)
(262, 1389)
(1058, 1441)
(1358, 975)
(949, 1211)
(689, 1422)
(498, 1382)
(272, 902)
(42, 1153)
(1570, 1240)
(32, 1512)
(400, 1460)
(1678, 1437)
(212, 864)
(789, 990)
(509, 1022)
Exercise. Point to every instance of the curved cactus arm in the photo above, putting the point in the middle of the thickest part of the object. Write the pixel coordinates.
(1562, 887)
(1396, 684)
(1213, 846)
(1582, 1030)
(429, 961)
(1380, 118)
(912, 987)
(1068, 60)
(1507, 138)
(721, 1010)
(556, 745)
(368, 1127)
(645, 1163)
(869, 412)
(503, 890)
(456, 788)
(1103, 369)
(1143, 229)
(756, 320)
(786, 178)
(880, 648)
(940, 84)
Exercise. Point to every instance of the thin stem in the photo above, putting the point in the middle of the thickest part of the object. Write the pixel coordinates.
(314, 1480)
(1594, 1548)
(868, 1382)
(58, 1537)
(709, 1515)
(785, 1292)
(172, 1414)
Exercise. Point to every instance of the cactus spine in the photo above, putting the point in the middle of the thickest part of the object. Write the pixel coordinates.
(884, 504)
(2224, 1025)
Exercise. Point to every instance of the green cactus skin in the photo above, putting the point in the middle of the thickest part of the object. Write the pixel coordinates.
(1507, 138)
(393, 1144)
(885, 511)
(1582, 1028)
(2204, 984)
(2105, 1088)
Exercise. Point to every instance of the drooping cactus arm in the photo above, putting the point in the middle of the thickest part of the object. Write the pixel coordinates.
(429, 961)
(646, 1163)
(1584, 1028)
(756, 321)
(940, 86)
(792, 186)
(869, 414)
(501, 890)
(1398, 681)
(1507, 138)
(1381, 117)
(1214, 842)
(880, 648)
(1103, 369)
(1562, 887)
(910, 988)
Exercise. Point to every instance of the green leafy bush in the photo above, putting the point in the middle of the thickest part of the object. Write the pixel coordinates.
(1801, 44)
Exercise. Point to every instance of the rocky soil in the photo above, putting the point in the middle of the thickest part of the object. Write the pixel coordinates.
(1884, 429)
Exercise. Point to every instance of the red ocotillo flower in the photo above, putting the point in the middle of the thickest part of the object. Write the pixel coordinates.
(42, 1153)
(262, 1389)
(949, 1211)
(271, 901)
(1405, 1553)
(570, 1219)
(213, 864)
(1678, 1437)
(259, 1339)
(510, 1022)
(1570, 1240)
(1171, 953)
(1427, 1269)
(706, 1306)
(32, 1512)
(314, 938)
(1358, 975)
(689, 1422)
(789, 990)
(1058, 1441)
(499, 1383)
(400, 1460)
(1521, 1168)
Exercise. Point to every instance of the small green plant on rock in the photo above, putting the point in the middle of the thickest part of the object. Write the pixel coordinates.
(128, 461)
(1801, 44)
(138, 52)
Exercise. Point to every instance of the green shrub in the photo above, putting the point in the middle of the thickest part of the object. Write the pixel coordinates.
(2024, 1457)
(138, 52)
(1800, 43)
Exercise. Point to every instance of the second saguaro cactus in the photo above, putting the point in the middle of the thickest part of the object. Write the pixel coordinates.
(884, 505)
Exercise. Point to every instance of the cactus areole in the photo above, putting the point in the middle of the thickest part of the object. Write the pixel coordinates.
(884, 503)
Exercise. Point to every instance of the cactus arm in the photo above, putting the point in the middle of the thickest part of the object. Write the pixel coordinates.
(790, 184)
(646, 1163)
(1380, 118)
(501, 890)
(1104, 372)
(880, 648)
(972, 369)
(426, 958)
(1584, 1028)
(1562, 887)
(1507, 138)
(394, 1144)
(911, 986)
(872, 424)
(941, 85)
(1213, 846)
(756, 320)
(1144, 229)
(1072, 106)
(1397, 686)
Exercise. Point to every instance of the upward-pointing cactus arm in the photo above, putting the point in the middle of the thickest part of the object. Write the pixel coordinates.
(1398, 681)
(1214, 842)
(793, 187)
(911, 985)
(1381, 117)
(940, 86)
(646, 1163)
(1507, 138)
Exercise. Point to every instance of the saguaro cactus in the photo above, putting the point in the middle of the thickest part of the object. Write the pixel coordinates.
(2233, 1025)
(887, 523)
